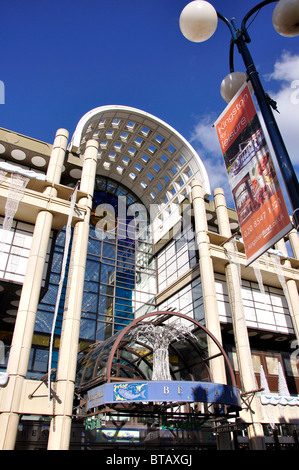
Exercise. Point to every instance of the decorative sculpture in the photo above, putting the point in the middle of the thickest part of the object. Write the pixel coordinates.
(160, 337)
(16, 191)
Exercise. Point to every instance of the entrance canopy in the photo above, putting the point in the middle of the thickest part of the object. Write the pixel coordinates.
(125, 363)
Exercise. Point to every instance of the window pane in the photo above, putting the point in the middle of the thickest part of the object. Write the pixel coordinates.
(107, 274)
(294, 366)
(89, 303)
(108, 250)
(91, 286)
(40, 360)
(272, 365)
(105, 304)
(106, 289)
(94, 246)
(87, 329)
(92, 271)
(256, 361)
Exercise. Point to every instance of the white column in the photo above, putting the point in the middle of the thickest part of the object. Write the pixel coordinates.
(294, 241)
(293, 297)
(59, 437)
(207, 279)
(243, 351)
(56, 162)
(25, 321)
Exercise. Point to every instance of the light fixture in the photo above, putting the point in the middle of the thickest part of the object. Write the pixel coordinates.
(198, 21)
(286, 18)
(232, 83)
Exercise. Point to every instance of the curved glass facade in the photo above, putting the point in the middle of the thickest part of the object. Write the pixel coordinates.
(120, 274)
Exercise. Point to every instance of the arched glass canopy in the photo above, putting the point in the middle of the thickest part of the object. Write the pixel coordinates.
(121, 359)
(143, 152)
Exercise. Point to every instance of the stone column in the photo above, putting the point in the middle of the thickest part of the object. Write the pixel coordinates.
(292, 290)
(207, 278)
(243, 351)
(56, 162)
(209, 294)
(60, 430)
(25, 321)
(294, 241)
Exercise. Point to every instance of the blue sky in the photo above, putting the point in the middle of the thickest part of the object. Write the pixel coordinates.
(60, 59)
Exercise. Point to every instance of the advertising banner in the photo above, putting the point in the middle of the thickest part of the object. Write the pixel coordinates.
(259, 202)
(160, 391)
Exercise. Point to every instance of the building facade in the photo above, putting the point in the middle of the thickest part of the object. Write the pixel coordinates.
(113, 229)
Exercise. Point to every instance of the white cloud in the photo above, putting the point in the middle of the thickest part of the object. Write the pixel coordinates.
(205, 141)
(204, 135)
(286, 76)
(286, 68)
(218, 177)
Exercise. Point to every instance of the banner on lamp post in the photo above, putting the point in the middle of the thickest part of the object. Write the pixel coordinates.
(259, 202)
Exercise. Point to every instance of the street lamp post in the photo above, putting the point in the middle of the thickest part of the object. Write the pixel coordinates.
(198, 22)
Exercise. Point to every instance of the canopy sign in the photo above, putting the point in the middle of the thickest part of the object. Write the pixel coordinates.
(163, 391)
(257, 195)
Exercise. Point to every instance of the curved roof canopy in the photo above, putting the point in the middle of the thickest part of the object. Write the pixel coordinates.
(121, 358)
(141, 151)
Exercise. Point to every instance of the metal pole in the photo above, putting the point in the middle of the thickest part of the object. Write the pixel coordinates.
(240, 37)
(280, 150)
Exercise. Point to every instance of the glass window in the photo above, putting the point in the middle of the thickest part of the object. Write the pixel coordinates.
(57, 262)
(294, 366)
(92, 271)
(125, 281)
(105, 304)
(43, 321)
(123, 293)
(94, 246)
(110, 274)
(272, 364)
(108, 250)
(91, 286)
(40, 361)
(87, 329)
(122, 266)
(104, 330)
(107, 274)
(256, 361)
(90, 301)
(106, 289)
(199, 313)
(91, 315)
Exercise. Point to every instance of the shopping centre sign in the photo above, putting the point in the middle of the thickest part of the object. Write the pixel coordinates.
(258, 198)
(163, 391)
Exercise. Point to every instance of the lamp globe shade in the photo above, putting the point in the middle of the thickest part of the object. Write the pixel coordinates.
(198, 21)
(286, 18)
(231, 84)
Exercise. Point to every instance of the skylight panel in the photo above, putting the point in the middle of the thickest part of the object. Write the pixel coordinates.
(159, 139)
(115, 123)
(145, 131)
